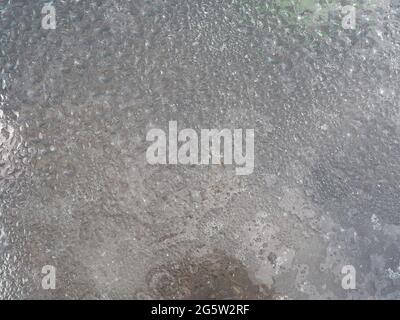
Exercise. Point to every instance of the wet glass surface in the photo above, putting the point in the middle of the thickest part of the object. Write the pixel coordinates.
(76, 189)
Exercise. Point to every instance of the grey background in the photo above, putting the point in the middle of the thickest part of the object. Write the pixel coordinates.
(76, 191)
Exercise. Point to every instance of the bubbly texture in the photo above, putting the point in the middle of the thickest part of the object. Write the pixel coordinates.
(77, 192)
